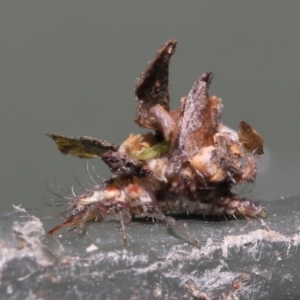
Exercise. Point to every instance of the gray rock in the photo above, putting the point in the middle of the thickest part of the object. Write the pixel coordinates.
(238, 259)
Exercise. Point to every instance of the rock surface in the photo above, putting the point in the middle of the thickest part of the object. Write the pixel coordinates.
(238, 259)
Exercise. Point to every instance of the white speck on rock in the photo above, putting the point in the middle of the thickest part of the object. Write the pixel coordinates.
(91, 248)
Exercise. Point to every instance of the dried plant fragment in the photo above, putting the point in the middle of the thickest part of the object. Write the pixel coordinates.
(198, 126)
(120, 163)
(166, 123)
(152, 87)
(84, 147)
(210, 162)
(189, 164)
(250, 139)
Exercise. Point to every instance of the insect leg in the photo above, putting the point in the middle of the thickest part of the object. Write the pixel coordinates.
(123, 217)
(176, 225)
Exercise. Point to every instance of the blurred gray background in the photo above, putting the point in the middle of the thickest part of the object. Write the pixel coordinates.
(70, 68)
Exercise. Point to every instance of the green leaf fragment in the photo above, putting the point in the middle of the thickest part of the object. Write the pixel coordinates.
(83, 147)
(153, 152)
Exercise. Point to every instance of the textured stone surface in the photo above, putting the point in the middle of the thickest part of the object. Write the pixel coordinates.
(239, 259)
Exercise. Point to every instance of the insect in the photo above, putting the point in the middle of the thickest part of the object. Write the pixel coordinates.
(188, 163)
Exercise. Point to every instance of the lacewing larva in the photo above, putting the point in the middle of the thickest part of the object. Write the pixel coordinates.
(188, 163)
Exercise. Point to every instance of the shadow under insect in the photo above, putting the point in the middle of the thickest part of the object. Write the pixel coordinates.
(188, 163)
